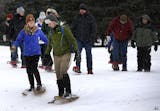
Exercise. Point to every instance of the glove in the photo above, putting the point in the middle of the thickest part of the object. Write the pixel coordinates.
(109, 51)
(77, 57)
(13, 48)
(132, 44)
(4, 38)
(155, 47)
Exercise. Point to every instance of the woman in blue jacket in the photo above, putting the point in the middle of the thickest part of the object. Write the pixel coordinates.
(30, 36)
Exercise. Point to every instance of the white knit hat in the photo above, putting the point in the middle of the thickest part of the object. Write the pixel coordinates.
(42, 15)
(20, 10)
(53, 11)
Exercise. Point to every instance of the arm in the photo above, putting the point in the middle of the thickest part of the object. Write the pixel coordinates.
(43, 37)
(19, 38)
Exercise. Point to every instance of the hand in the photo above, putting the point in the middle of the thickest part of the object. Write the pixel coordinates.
(4, 38)
(77, 57)
(133, 44)
(109, 51)
(155, 47)
(13, 48)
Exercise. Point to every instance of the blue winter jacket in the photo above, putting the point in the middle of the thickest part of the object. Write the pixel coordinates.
(31, 42)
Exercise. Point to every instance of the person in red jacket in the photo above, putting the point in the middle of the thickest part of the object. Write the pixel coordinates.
(122, 29)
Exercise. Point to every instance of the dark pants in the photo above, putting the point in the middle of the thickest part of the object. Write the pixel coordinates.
(88, 49)
(43, 49)
(31, 68)
(144, 57)
(47, 61)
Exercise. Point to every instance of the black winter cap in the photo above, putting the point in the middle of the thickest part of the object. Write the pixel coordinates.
(83, 6)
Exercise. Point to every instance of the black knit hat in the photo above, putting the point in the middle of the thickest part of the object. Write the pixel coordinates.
(83, 6)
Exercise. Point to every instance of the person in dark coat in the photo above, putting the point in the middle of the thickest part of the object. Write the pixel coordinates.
(6, 26)
(30, 35)
(16, 26)
(84, 30)
(144, 37)
(122, 29)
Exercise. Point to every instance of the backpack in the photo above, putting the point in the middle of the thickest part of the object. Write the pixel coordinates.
(70, 44)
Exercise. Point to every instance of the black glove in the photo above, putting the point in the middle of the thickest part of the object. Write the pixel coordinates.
(77, 57)
(155, 47)
(109, 51)
(133, 44)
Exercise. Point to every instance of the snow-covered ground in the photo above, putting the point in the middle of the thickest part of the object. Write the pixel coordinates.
(106, 90)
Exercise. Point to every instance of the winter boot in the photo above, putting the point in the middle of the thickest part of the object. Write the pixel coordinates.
(115, 67)
(139, 70)
(76, 69)
(39, 87)
(60, 87)
(90, 72)
(31, 88)
(124, 68)
(67, 85)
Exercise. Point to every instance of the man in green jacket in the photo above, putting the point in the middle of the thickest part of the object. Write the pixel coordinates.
(61, 41)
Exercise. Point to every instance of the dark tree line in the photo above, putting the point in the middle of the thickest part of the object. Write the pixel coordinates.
(103, 10)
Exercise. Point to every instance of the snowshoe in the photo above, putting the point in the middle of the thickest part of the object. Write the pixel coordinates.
(12, 63)
(39, 90)
(63, 100)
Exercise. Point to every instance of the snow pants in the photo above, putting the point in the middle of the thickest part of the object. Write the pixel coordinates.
(144, 57)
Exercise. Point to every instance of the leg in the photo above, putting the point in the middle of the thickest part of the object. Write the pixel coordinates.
(64, 68)
(29, 72)
(88, 48)
(123, 54)
(147, 59)
(80, 46)
(57, 62)
(35, 70)
(140, 58)
(115, 55)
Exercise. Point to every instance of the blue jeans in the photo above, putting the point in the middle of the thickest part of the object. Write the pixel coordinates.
(119, 52)
(88, 49)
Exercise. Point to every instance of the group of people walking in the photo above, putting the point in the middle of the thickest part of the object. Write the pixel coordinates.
(38, 37)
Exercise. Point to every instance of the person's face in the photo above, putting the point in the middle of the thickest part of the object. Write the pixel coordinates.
(41, 20)
(21, 13)
(31, 24)
(82, 11)
(144, 21)
(52, 24)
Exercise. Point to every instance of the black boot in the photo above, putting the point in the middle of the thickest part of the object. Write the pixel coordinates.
(67, 85)
(31, 88)
(124, 67)
(60, 87)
